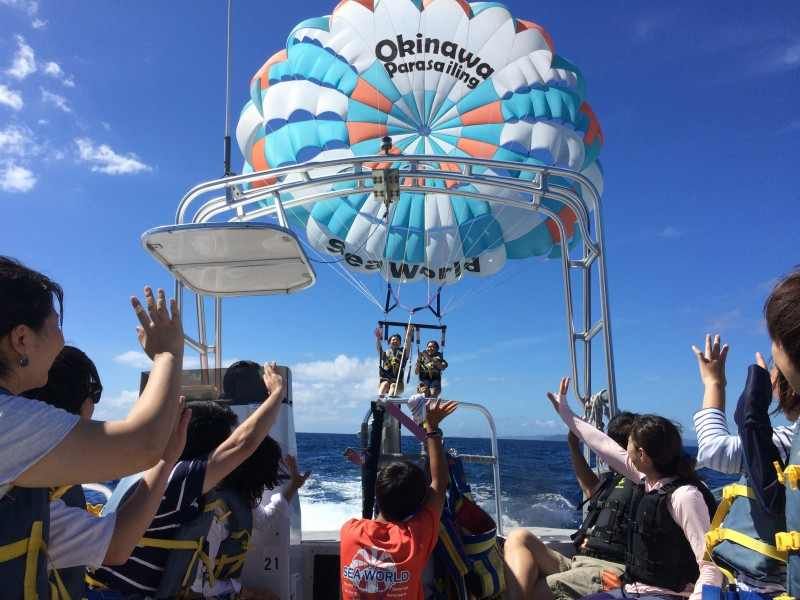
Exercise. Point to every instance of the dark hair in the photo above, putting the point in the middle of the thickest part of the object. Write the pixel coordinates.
(26, 298)
(400, 489)
(72, 379)
(435, 343)
(788, 399)
(661, 439)
(619, 428)
(211, 425)
(244, 384)
(396, 335)
(261, 470)
(782, 313)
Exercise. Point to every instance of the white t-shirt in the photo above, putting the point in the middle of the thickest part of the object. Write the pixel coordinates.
(29, 429)
(77, 537)
(218, 532)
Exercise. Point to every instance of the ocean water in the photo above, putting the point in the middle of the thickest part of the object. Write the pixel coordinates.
(536, 478)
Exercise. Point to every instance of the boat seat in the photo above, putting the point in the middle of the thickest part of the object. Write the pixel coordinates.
(232, 259)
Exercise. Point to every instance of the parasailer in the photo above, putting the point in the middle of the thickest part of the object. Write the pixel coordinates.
(392, 362)
(430, 364)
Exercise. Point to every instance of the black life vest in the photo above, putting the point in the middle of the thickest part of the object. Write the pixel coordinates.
(658, 552)
(393, 363)
(25, 518)
(604, 532)
(73, 578)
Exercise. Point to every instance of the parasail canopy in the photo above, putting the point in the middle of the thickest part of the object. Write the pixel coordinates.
(441, 77)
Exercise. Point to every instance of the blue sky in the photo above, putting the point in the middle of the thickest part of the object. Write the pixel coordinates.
(109, 112)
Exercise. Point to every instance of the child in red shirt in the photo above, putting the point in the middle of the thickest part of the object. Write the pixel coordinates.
(385, 557)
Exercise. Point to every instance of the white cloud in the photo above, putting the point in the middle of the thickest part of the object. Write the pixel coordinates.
(56, 100)
(11, 98)
(105, 160)
(325, 390)
(29, 6)
(53, 69)
(39, 23)
(133, 358)
(115, 407)
(17, 141)
(24, 62)
(138, 360)
(106, 125)
(670, 233)
(16, 178)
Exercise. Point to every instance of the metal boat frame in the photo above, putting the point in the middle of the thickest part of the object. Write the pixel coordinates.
(227, 199)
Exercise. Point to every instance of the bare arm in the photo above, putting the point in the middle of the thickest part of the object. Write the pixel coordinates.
(296, 479)
(583, 472)
(378, 346)
(99, 451)
(136, 514)
(440, 476)
(248, 435)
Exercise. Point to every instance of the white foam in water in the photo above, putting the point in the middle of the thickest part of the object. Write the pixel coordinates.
(320, 513)
(327, 503)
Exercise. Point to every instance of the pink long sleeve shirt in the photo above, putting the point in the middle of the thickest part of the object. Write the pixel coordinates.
(687, 506)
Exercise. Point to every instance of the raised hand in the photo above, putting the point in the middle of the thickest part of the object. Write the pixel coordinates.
(557, 401)
(437, 410)
(378, 333)
(711, 362)
(296, 479)
(272, 378)
(158, 330)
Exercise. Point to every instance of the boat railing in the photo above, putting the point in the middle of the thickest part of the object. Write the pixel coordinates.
(492, 459)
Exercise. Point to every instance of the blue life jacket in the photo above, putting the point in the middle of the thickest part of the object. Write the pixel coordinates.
(73, 578)
(789, 541)
(25, 518)
(742, 535)
(187, 548)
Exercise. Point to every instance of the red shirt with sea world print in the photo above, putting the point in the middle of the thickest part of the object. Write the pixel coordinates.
(386, 560)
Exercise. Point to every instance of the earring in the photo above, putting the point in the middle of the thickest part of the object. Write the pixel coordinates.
(23, 362)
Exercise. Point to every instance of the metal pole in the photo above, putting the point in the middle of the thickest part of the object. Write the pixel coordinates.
(218, 342)
(201, 337)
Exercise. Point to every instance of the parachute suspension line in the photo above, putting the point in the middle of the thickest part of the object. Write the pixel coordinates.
(228, 98)
(341, 272)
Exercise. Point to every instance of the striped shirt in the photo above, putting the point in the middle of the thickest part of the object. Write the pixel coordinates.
(181, 503)
(717, 449)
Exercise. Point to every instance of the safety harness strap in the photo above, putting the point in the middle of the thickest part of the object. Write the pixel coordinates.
(721, 534)
(788, 541)
(790, 475)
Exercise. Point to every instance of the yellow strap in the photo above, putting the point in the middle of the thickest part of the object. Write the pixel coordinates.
(715, 536)
(787, 540)
(94, 509)
(783, 597)
(170, 544)
(94, 584)
(58, 492)
(59, 590)
(236, 561)
(791, 474)
(480, 547)
(729, 494)
(36, 544)
(12, 551)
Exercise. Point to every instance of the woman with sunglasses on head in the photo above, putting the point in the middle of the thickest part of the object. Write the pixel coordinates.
(42, 446)
(75, 533)
(671, 510)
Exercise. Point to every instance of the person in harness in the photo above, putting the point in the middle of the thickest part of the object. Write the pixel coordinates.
(393, 361)
(430, 364)
(671, 507)
(164, 563)
(782, 314)
(599, 552)
(742, 537)
(74, 385)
